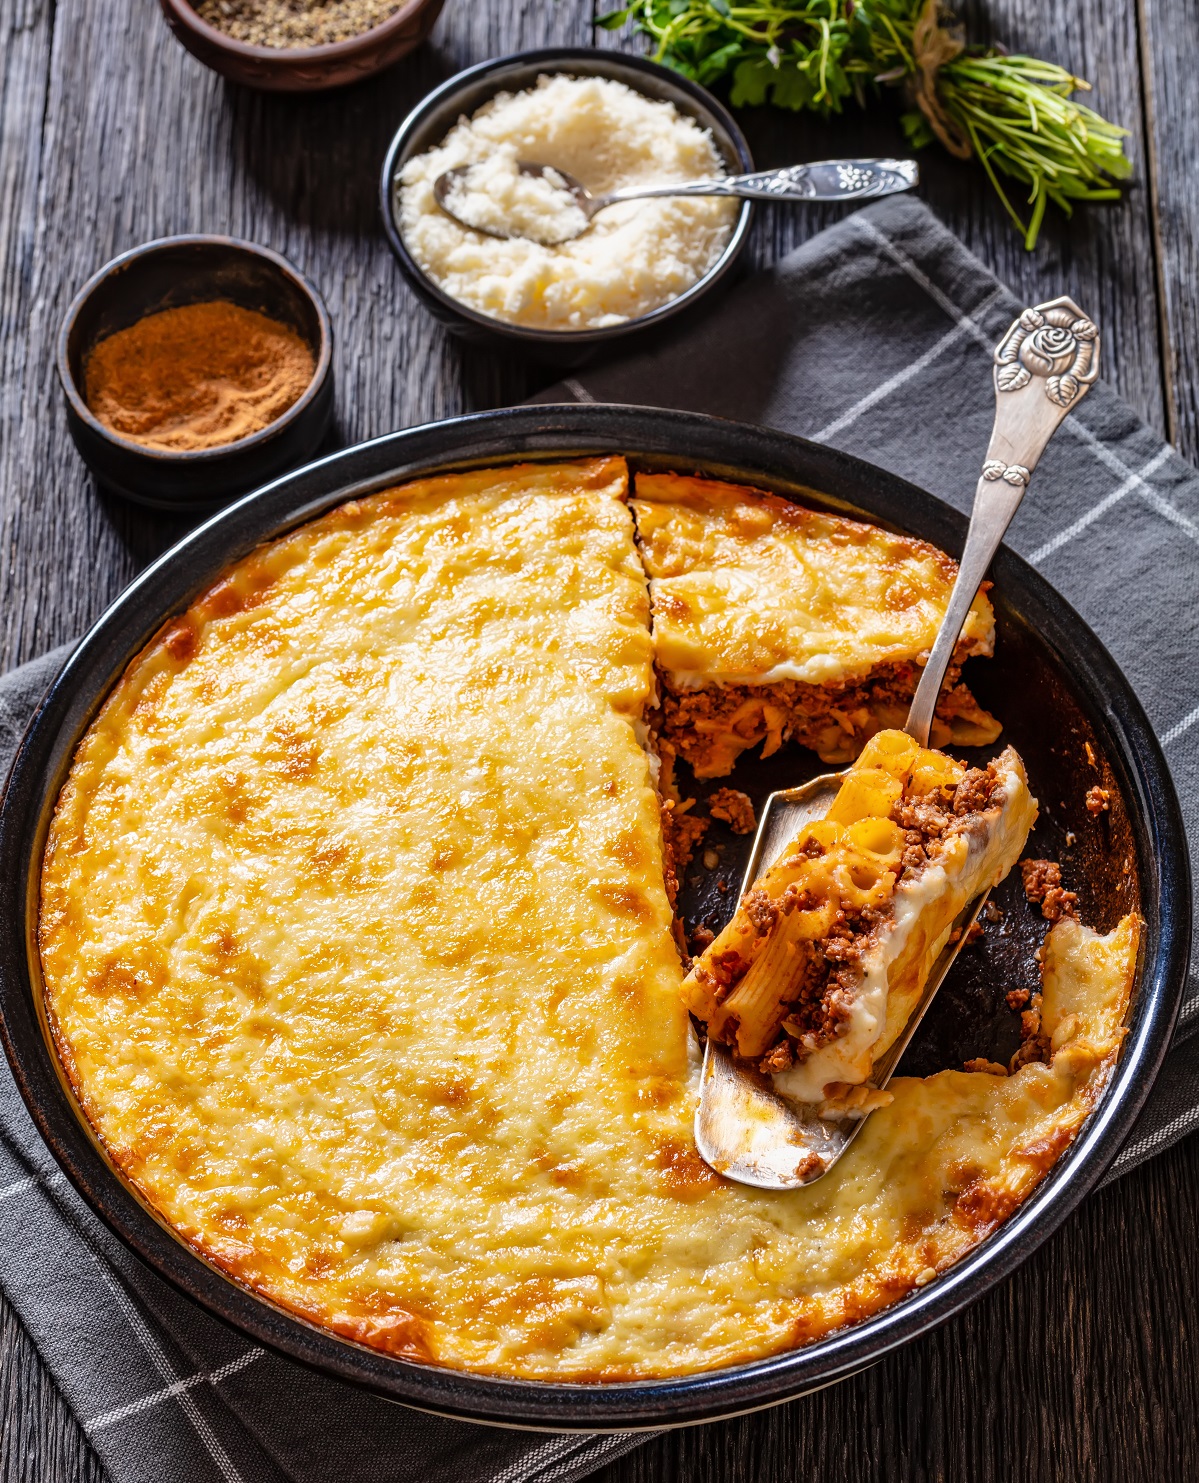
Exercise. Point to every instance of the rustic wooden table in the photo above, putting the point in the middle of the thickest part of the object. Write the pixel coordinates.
(1085, 1364)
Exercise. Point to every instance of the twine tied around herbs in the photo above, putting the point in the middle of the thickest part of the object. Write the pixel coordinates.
(934, 44)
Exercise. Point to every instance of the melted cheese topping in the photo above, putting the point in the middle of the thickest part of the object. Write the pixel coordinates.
(748, 588)
(357, 953)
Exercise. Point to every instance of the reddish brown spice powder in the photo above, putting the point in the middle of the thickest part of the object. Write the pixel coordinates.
(197, 377)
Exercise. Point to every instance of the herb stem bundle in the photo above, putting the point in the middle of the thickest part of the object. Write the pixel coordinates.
(1015, 113)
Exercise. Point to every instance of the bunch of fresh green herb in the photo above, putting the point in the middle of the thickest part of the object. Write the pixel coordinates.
(1014, 113)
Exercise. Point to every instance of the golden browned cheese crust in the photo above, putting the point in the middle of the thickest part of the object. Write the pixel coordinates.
(358, 953)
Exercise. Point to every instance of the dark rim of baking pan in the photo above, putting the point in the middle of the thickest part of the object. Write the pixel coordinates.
(588, 62)
(678, 440)
(220, 451)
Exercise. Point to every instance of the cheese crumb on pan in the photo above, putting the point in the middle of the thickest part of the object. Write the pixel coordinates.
(634, 258)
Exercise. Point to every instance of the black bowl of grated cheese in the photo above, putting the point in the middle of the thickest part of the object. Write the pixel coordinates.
(609, 120)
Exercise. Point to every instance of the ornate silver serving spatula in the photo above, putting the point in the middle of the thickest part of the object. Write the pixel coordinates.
(1043, 367)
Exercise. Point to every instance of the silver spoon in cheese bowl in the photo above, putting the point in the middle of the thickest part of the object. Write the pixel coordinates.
(824, 180)
(744, 1129)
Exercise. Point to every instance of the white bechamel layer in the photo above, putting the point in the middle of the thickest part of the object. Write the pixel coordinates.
(817, 669)
(850, 1056)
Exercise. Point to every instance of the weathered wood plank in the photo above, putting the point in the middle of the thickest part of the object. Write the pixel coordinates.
(25, 33)
(1170, 58)
(1103, 256)
(40, 1440)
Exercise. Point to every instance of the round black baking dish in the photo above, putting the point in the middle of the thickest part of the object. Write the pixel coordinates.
(1059, 690)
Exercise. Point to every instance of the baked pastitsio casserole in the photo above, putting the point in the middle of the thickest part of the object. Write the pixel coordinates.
(358, 953)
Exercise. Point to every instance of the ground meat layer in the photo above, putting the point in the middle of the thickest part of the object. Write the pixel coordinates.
(712, 726)
(682, 831)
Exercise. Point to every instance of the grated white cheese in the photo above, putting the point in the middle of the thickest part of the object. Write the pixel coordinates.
(633, 259)
(496, 197)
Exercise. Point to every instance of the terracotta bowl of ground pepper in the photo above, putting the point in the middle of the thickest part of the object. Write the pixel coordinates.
(195, 369)
(300, 45)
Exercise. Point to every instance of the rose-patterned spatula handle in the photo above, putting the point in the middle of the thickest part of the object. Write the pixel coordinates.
(1044, 366)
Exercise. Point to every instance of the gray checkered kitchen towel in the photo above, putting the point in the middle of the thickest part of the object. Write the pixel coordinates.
(871, 337)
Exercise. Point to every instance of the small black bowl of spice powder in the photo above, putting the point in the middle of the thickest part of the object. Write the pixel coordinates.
(195, 369)
(300, 45)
